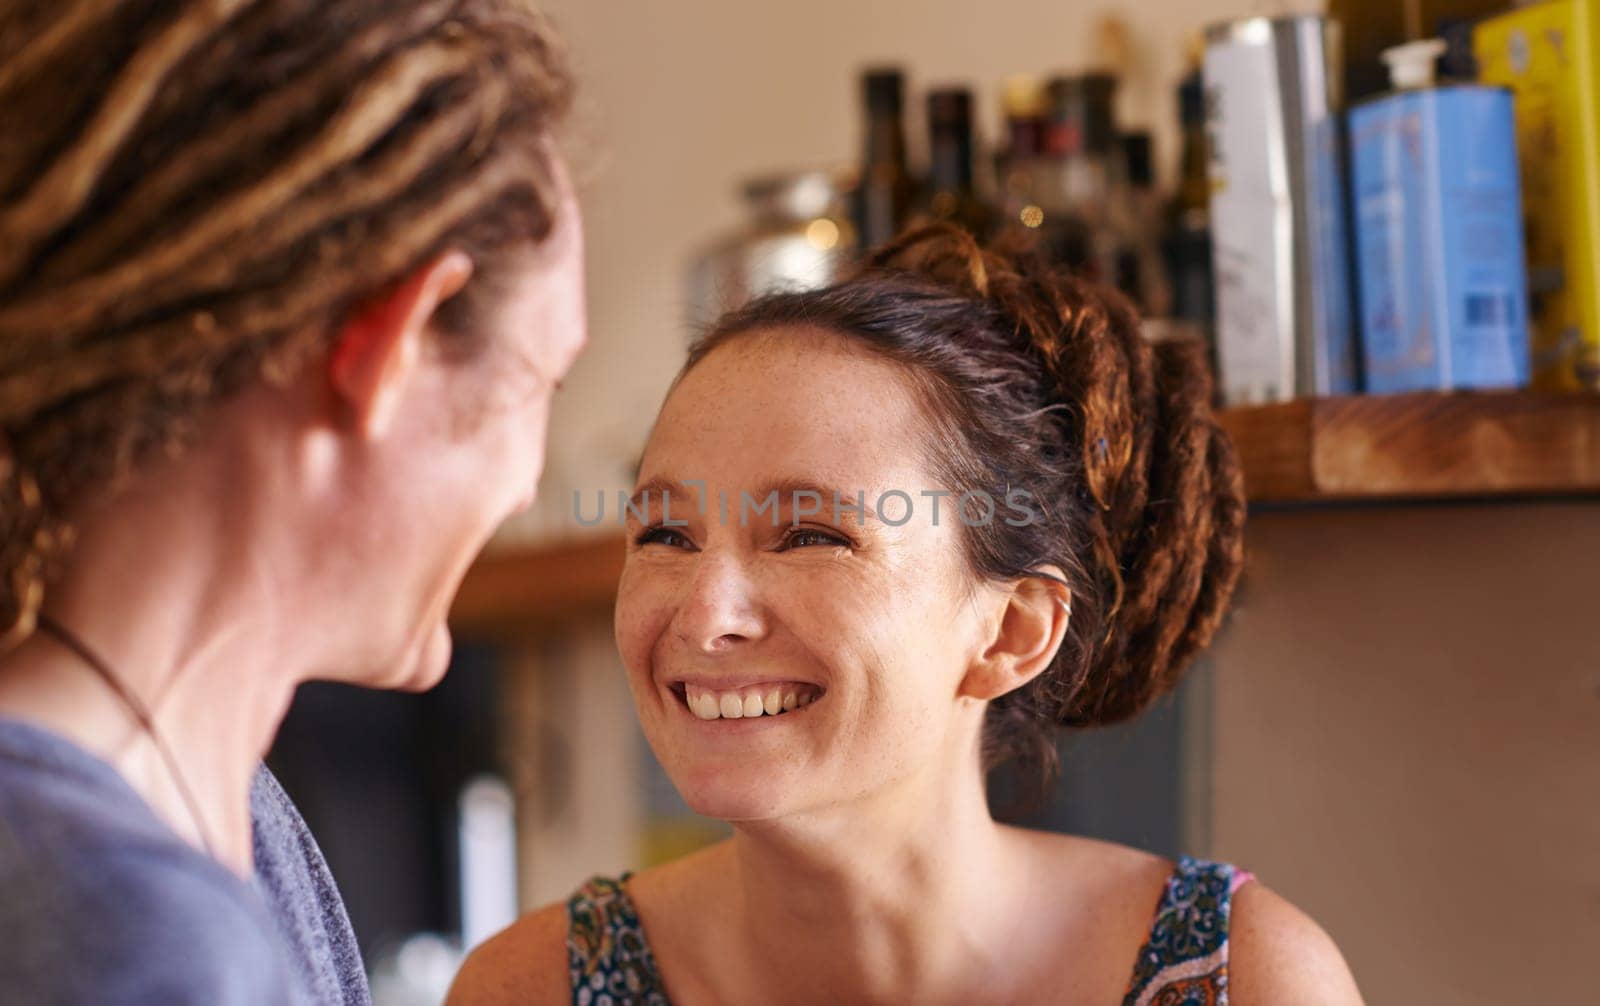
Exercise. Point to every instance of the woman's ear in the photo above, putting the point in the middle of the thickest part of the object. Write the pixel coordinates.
(378, 348)
(1033, 622)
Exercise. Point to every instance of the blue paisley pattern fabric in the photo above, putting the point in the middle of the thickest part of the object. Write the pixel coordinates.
(1184, 962)
(608, 960)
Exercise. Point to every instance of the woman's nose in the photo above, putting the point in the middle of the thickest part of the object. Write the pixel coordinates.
(721, 609)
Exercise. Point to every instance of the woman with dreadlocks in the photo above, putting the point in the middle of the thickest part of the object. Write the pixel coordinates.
(835, 674)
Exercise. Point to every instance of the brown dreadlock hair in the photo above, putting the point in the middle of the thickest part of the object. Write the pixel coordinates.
(1038, 380)
(193, 194)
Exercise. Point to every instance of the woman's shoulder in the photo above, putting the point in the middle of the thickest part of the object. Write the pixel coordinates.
(1280, 954)
(524, 963)
(594, 937)
(1203, 920)
(1214, 921)
(1217, 921)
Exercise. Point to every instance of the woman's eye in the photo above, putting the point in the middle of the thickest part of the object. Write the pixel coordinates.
(662, 536)
(806, 537)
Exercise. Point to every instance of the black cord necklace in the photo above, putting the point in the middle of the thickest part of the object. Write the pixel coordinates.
(140, 713)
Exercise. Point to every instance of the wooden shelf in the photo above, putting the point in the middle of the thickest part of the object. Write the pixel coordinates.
(1476, 445)
(1399, 447)
(523, 590)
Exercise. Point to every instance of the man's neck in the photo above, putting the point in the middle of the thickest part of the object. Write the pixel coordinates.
(179, 618)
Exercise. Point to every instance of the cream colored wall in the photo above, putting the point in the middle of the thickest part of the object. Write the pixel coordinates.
(1406, 743)
(683, 98)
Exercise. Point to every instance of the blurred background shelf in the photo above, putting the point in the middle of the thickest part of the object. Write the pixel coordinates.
(1459, 445)
(523, 589)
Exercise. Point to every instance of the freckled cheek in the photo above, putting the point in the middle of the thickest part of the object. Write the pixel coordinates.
(874, 644)
(643, 619)
(826, 623)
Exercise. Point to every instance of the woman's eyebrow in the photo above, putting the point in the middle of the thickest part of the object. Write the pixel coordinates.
(779, 494)
(661, 488)
(831, 500)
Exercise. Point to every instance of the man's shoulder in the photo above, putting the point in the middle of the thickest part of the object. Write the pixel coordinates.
(102, 902)
(304, 899)
(137, 922)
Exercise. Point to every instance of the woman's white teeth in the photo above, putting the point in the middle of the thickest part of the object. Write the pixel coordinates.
(744, 703)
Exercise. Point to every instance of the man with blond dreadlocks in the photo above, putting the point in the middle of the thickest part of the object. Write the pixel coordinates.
(286, 287)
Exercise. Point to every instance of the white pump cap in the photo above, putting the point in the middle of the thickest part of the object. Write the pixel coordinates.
(1412, 65)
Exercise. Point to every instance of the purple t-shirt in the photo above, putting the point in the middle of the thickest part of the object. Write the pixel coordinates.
(101, 902)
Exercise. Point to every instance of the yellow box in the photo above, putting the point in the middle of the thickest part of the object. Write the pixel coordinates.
(1546, 54)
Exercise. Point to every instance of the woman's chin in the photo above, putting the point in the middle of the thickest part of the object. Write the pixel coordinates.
(734, 809)
(734, 799)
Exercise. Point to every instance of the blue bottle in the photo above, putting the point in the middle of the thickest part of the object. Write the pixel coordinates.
(1439, 250)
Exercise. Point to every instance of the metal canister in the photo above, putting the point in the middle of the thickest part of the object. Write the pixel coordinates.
(798, 236)
(1278, 224)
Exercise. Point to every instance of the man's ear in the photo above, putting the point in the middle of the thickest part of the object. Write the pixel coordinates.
(1029, 631)
(379, 345)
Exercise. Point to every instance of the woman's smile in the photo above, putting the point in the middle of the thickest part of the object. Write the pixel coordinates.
(762, 700)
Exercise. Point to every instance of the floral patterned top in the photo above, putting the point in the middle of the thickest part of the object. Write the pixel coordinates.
(1184, 960)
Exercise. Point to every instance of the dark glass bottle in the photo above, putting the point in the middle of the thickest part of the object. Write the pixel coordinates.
(1141, 272)
(886, 190)
(1083, 139)
(952, 193)
(1188, 237)
(1034, 209)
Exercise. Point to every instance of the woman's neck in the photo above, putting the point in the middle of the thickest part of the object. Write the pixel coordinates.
(166, 596)
(892, 899)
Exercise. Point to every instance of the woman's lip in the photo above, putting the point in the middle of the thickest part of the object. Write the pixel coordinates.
(732, 686)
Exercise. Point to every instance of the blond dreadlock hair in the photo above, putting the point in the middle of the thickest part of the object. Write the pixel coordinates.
(193, 194)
